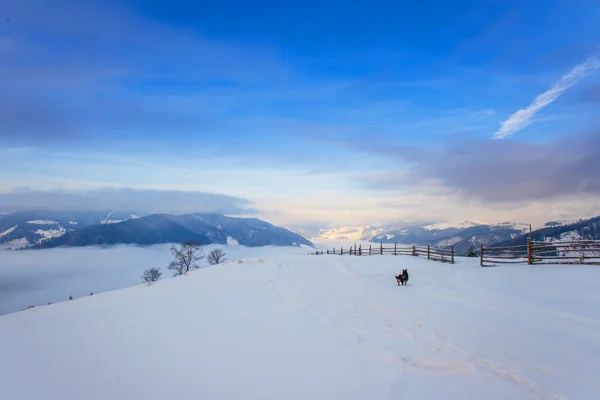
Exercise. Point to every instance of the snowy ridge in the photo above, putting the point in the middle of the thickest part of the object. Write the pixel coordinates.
(524, 228)
(22, 242)
(340, 232)
(112, 221)
(110, 218)
(8, 231)
(36, 227)
(449, 242)
(565, 237)
(570, 236)
(50, 233)
(232, 242)
(447, 225)
(331, 328)
(42, 222)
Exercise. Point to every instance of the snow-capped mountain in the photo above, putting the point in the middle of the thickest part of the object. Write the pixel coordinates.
(461, 235)
(34, 227)
(338, 232)
(166, 228)
(341, 232)
(588, 229)
(444, 234)
(115, 218)
(447, 225)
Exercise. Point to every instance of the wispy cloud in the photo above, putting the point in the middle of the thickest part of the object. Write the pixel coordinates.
(523, 117)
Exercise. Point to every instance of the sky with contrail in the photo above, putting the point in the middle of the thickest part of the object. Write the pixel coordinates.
(522, 118)
(362, 112)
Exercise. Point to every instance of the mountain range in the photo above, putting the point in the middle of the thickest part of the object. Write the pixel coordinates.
(588, 229)
(47, 229)
(461, 235)
(53, 229)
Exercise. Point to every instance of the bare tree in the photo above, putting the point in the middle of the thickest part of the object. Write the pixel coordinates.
(186, 256)
(217, 256)
(151, 274)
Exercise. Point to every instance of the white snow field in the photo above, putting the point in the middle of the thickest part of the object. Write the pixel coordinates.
(317, 327)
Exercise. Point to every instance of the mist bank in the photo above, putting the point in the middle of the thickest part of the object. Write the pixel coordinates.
(38, 277)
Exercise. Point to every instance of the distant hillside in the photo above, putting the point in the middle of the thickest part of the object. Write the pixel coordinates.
(588, 229)
(34, 227)
(165, 228)
(462, 235)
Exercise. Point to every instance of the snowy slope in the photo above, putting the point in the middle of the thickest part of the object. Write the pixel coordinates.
(33, 278)
(308, 327)
(448, 224)
(35, 227)
(167, 228)
(340, 232)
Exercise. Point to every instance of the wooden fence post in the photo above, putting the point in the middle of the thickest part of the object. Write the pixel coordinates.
(395, 245)
(452, 254)
(360, 249)
(428, 252)
(327, 251)
(481, 254)
(369, 249)
(381, 248)
(414, 250)
(529, 251)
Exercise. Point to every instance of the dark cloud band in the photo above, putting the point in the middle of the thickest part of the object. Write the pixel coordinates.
(147, 201)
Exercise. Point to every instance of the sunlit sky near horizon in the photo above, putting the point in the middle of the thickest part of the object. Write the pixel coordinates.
(303, 112)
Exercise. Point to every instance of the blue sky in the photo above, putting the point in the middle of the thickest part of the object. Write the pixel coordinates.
(314, 112)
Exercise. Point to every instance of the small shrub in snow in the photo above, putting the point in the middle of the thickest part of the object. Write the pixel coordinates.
(471, 252)
(71, 297)
(217, 256)
(151, 275)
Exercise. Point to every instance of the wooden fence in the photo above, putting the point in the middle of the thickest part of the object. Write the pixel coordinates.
(432, 253)
(568, 252)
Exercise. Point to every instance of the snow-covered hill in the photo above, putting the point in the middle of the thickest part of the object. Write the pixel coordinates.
(461, 235)
(308, 327)
(168, 228)
(26, 228)
(343, 232)
(588, 229)
(448, 225)
(439, 234)
(47, 229)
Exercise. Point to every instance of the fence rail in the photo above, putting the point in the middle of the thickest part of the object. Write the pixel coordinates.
(432, 253)
(567, 252)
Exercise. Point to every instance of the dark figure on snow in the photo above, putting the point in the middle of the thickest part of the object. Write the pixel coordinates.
(402, 279)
